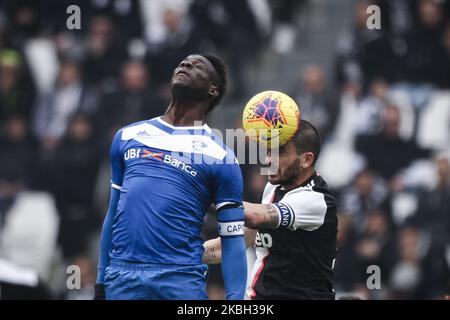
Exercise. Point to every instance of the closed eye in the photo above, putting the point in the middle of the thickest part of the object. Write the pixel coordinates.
(200, 67)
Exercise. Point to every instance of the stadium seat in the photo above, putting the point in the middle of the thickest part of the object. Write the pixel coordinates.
(30, 232)
(434, 123)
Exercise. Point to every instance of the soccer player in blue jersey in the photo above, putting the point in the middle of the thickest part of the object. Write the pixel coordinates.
(166, 173)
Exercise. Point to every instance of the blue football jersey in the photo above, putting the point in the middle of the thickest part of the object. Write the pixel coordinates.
(168, 178)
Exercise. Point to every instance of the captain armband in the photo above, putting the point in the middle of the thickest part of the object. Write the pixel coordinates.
(231, 228)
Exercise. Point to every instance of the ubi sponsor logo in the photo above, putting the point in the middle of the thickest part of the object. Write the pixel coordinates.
(136, 153)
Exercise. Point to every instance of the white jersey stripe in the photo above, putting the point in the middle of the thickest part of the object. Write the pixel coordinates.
(115, 186)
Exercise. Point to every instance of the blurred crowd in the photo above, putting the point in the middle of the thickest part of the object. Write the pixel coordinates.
(384, 115)
(383, 112)
(394, 116)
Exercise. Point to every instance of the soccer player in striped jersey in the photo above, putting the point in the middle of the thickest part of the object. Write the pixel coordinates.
(291, 235)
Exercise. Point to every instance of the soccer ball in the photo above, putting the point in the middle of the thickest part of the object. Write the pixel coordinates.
(271, 118)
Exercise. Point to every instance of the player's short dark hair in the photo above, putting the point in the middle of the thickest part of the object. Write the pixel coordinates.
(307, 139)
(219, 78)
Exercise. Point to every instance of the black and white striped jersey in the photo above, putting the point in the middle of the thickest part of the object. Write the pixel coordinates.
(296, 264)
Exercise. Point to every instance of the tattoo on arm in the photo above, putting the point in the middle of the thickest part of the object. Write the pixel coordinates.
(210, 255)
(271, 217)
(265, 216)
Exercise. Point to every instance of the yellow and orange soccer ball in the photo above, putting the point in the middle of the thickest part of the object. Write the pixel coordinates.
(271, 118)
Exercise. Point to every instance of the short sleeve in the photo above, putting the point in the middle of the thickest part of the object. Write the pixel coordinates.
(228, 185)
(308, 206)
(117, 167)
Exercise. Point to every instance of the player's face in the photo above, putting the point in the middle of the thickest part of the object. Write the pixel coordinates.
(195, 73)
(289, 164)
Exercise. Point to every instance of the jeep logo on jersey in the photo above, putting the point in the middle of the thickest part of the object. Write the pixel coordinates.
(147, 154)
(263, 240)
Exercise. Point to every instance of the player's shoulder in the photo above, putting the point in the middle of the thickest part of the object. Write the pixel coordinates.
(228, 155)
(218, 139)
(317, 184)
(137, 129)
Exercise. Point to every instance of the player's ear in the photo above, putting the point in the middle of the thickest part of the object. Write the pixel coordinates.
(213, 91)
(308, 160)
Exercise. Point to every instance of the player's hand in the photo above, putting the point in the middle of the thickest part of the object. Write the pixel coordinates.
(99, 292)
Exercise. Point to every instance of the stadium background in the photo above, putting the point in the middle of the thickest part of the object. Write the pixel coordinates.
(381, 99)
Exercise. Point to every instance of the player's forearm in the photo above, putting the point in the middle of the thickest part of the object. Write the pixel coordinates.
(234, 261)
(258, 216)
(213, 251)
(105, 240)
(105, 246)
(213, 247)
(234, 267)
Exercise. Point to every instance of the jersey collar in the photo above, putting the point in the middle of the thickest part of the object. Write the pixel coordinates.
(165, 123)
(304, 184)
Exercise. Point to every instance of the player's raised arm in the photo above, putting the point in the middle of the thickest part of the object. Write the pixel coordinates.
(261, 216)
(105, 240)
(229, 186)
(303, 208)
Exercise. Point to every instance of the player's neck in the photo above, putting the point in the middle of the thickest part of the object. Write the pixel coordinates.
(185, 113)
(301, 179)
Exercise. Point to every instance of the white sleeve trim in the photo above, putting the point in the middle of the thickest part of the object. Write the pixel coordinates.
(115, 186)
(309, 208)
(220, 205)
